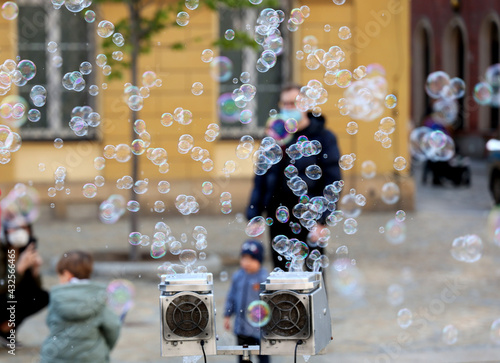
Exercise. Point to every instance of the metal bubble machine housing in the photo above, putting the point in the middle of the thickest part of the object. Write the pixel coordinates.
(187, 313)
(298, 312)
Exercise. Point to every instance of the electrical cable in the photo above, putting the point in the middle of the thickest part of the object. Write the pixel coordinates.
(202, 343)
(299, 342)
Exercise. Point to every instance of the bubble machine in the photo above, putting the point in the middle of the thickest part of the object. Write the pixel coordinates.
(187, 315)
(299, 314)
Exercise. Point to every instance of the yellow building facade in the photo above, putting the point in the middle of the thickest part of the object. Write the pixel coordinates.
(380, 35)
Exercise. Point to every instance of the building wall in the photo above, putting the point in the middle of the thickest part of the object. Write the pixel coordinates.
(439, 17)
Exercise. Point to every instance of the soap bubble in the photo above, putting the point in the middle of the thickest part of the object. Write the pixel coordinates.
(390, 193)
(182, 18)
(350, 226)
(120, 295)
(258, 313)
(229, 34)
(158, 249)
(449, 335)
(134, 238)
(483, 93)
(10, 10)
(344, 33)
(400, 215)
(27, 69)
(468, 248)
(255, 226)
(105, 29)
(437, 84)
(352, 128)
(405, 318)
(188, 258)
(400, 163)
(391, 101)
(207, 188)
(368, 169)
(197, 88)
(89, 190)
(112, 209)
(221, 69)
(207, 55)
(282, 214)
(495, 331)
(395, 231)
(395, 295)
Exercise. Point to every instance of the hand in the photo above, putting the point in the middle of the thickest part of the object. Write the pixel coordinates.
(227, 323)
(27, 259)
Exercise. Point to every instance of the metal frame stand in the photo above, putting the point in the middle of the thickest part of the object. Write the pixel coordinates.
(244, 350)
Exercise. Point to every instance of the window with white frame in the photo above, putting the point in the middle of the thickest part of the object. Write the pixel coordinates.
(39, 23)
(268, 84)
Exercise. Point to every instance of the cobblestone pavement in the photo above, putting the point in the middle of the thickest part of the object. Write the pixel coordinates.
(437, 289)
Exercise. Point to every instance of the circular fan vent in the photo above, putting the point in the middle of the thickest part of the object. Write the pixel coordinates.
(288, 315)
(187, 316)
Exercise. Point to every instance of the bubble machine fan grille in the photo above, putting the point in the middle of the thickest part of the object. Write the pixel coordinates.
(187, 316)
(289, 316)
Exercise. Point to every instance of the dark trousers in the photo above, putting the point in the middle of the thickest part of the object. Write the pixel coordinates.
(243, 339)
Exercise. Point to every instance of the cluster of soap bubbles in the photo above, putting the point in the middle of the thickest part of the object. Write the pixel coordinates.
(226, 206)
(293, 250)
(182, 116)
(351, 204)
(269, 37)
(468, 248)
(311, 96)
(435, 145)
(186, 204)
(445, 91)
(212, 132)
(297, 17)
(268, 154)
(303, 148)
(241, 96)
(17, 73)
(488, 91)
(245, 147)
(365, 98)
(386, 127)
(13, 111)
(83, 117)
(75, 6)
(112, 209)
(59, 179)
(121, 152)
(10, 142)
(74, 81)
(158, 156)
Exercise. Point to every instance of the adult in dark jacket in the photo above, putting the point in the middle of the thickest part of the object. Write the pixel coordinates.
(271, 190)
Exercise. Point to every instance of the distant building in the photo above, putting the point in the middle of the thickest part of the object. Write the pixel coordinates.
(461, 38)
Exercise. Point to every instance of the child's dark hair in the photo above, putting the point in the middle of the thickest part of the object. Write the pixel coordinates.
(78, 263)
